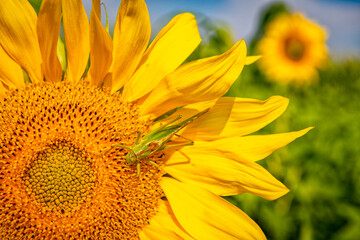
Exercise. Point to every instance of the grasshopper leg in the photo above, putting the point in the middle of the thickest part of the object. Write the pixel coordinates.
(138, 168)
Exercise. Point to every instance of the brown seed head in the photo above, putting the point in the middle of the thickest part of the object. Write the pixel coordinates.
(57, 175)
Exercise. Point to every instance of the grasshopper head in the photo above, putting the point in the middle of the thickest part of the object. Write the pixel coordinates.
(130, 158)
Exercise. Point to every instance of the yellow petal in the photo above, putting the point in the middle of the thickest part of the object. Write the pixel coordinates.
(18, 36)
(143, 236)
(101, 46)
(107, 82)
(251, 59)
(107, 18)
(96, 8)
(164, 225)
(10, 72)
(61, 53)
(175, 42)
(236, 117)
(255, 147)
(247, 148)
(222, 172)
(158, 232)
(76, 30)
(200, 80)
(48, 29)
(207, 216)
(131, 37)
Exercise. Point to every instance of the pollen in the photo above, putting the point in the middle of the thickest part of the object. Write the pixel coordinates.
(61, 177)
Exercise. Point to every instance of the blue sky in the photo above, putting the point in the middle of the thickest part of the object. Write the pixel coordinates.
(341, 18)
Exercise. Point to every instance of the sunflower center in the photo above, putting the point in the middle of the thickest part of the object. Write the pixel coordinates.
(294, 49)
(62, 172)
(60, 177)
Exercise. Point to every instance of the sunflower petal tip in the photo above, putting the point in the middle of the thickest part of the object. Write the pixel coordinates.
(305, 131)
(280, 100)
(285, 191)
(240, 42)
(187, 14)
(281, 192)
(252, 59)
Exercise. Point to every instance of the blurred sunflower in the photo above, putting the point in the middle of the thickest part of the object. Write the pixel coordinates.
(292, 49)
(69, 168)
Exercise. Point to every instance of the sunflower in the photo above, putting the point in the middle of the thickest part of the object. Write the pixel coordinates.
(103, 153)
(293, 48)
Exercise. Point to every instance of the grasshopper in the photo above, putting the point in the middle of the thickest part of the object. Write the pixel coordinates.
(161, 136)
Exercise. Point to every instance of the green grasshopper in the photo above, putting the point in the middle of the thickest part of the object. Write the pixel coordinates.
(161, 136)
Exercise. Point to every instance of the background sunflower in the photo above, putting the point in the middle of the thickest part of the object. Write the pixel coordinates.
(292, 49)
